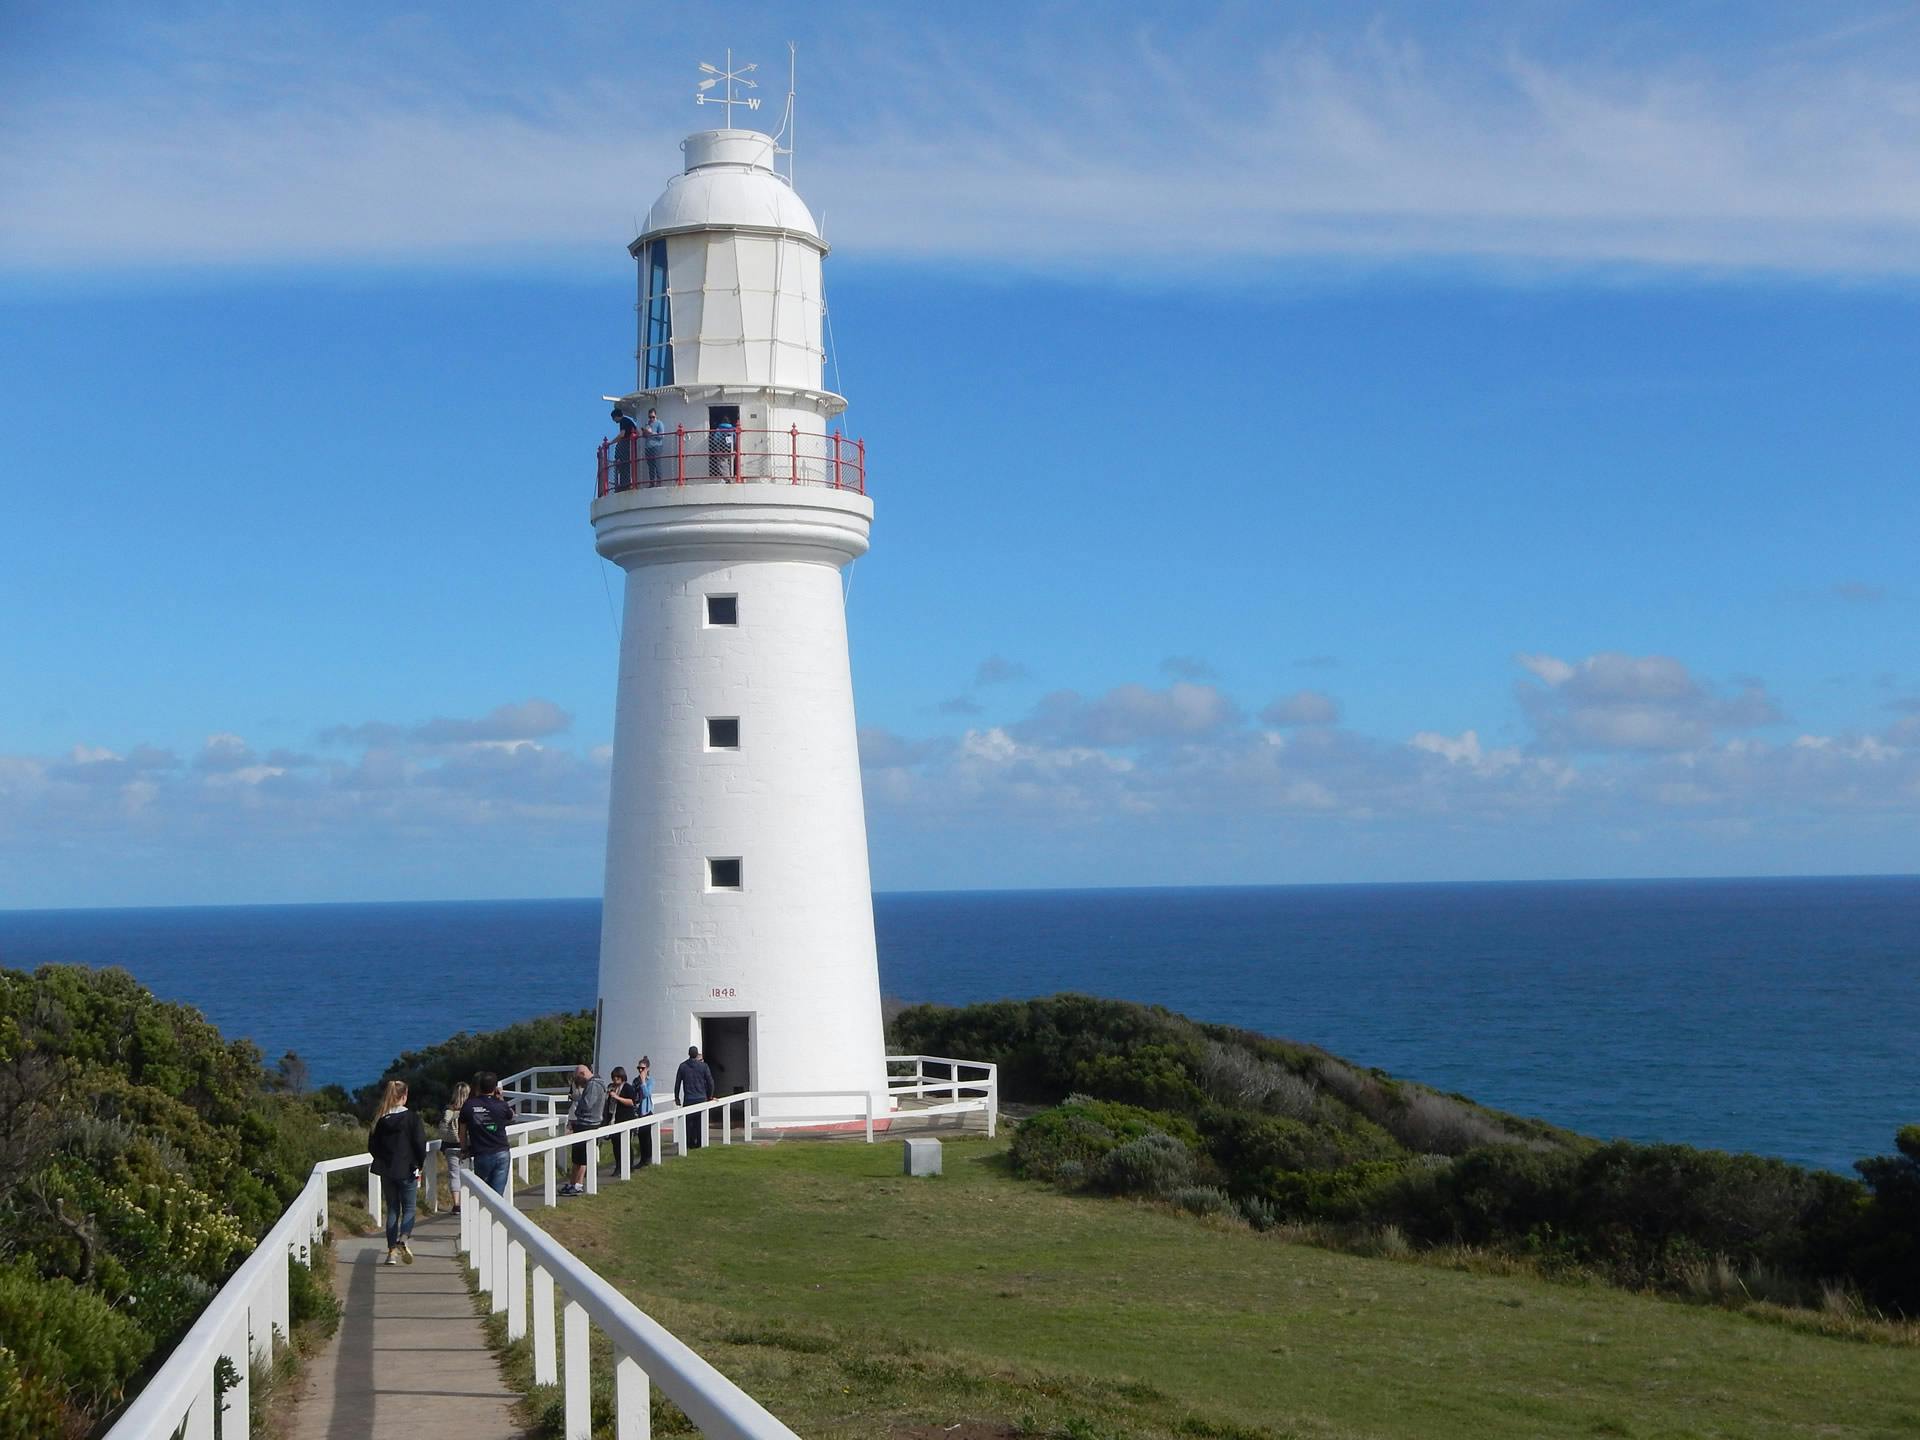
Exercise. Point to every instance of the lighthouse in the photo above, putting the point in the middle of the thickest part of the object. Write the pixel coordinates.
(739, 910)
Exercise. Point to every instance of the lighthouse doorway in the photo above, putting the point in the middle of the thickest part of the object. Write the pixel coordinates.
(727, 1042)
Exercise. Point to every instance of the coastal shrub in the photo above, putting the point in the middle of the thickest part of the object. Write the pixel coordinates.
(1258, 1211)
(1881, 1245)
(1155, 1164)
(1347, 1194)
(1041, 1045)
(309, 1301)
(66, 1341)
(432, 1073)
(1204, 1200)
(1065, 1144)
(1430, 1123)
(1238, 1078)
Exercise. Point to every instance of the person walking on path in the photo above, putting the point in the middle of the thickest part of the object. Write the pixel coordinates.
(641, 1088)
(588, 1112)
(654, 435)
(485, 1117)
(453, 1141)
(398, 1144)
(693, 1083)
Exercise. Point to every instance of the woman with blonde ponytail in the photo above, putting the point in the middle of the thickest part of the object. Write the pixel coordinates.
(398, 1144)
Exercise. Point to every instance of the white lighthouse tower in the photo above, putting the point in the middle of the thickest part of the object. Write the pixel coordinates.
(739, 912)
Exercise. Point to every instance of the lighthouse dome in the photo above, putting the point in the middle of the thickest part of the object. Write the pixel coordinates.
(729, 181)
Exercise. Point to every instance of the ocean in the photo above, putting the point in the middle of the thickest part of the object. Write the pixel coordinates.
(1773, 1015)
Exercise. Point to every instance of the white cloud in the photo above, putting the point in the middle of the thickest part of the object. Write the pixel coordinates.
(223, 138)
(1303, 707)
(1613, 702)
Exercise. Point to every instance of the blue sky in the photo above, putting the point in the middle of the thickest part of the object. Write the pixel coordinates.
(1310, 443)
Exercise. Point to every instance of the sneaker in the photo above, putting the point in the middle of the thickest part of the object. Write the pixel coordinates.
(393, 1257)
(572, 1189)
(406, 1253)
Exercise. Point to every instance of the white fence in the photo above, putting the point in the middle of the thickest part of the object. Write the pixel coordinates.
(240, 1322)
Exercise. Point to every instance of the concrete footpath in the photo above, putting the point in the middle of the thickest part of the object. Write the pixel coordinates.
(409, 1359)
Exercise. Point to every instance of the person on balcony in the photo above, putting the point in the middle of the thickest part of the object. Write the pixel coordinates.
(655, 435)
(623, 450)
(720, 443)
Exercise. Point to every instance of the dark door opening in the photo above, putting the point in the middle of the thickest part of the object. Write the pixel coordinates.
(725, 1041)
(723, 442)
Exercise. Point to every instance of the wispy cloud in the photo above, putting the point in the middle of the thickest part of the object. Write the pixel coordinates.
(227, 138)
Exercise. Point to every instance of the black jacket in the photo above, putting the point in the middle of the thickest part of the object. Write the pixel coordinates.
(398, 1144)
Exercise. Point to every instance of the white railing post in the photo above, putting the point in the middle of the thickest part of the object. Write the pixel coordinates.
(579, 1398)
(746, 1121)
(868, 1098)
(546, 1370)
(237, 1403)
(374, 1197)
(283, 1296)
(726, 1124)
(497, 1270)
(516, 1290)
(551, 1191)
(483, 1248)
(593, 1163)
(430, 1174)
(626, 1154)
(633, 1417)
(524, 1161)
(467, 1212)
(200, 1417)
(993, 1100)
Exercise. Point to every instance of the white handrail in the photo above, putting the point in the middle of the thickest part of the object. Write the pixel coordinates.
(237, 1326)
(502, 1244)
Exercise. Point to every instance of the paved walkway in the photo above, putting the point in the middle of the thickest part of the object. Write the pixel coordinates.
(409, 1359)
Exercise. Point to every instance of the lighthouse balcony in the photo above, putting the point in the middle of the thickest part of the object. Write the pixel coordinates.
(731, 457)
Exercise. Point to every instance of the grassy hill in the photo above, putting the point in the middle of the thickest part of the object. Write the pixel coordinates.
(858, 1303)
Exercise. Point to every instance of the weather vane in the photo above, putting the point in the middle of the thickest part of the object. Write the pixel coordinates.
(732, 77)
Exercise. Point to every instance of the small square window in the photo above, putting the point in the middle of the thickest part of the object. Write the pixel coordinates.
(723, 732)
(723, 872)
(723, 609)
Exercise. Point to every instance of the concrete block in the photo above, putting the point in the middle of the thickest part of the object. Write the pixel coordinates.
(922, 1156)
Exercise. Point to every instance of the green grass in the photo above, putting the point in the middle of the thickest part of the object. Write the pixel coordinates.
(854, 1302)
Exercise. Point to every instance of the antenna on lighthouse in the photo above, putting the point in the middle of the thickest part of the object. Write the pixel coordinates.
(786, 130)
(726, 97)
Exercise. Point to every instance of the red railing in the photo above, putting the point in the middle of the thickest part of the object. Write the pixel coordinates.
(731, 457)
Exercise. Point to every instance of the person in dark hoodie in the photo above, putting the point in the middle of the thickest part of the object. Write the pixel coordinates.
(398, 1144)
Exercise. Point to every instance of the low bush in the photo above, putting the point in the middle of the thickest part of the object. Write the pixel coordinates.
(1204, 1200)
(1066, 1143)
(63, 1344)
(432, 1073)
(1156, 1164)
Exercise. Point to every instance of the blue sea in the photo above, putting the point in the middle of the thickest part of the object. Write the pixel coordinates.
(1777, 1016)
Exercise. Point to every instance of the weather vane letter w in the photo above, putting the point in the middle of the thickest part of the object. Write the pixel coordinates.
(730, 77)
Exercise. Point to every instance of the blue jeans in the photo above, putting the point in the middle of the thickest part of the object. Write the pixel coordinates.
(398, 1195)
(490, 1169)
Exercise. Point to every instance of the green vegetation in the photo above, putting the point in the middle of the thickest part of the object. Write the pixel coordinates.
(1150, 1103)
(141, 1156)
(432, 1073)
(857, 1303)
